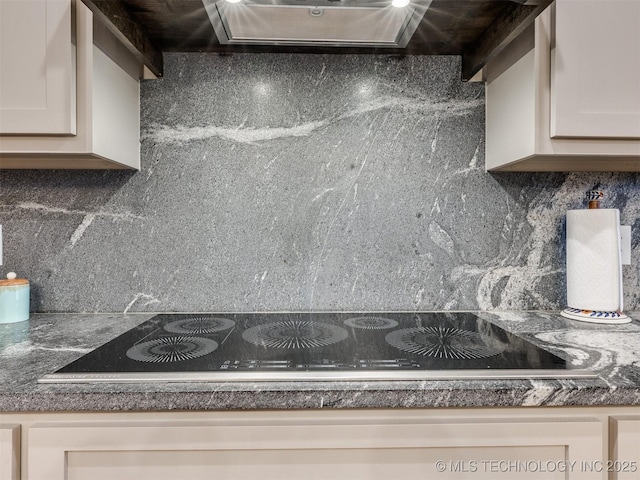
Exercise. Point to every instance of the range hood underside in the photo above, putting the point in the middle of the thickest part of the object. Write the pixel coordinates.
(358, 24)
(478, 30)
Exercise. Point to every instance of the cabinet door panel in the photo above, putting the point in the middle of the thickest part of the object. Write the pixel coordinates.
(9, 452)
(480, 463)
(595, 80)
(625, 448)
(37, 74)
(470, 448)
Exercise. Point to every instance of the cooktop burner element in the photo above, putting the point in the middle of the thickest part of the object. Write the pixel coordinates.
(314, 346)
(294, 334)
(444, 342)
(371, 323)
(171, 349)
(201, 324)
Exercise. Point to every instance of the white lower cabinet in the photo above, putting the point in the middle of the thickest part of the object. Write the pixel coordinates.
(575, 443)
(478, 444)
(339, 450)
(624, 448)
(9, 452)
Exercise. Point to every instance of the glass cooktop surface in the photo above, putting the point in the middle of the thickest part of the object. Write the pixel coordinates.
(314, 346)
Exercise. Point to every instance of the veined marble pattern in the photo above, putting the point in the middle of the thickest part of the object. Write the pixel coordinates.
(302, 182)
(611, 350)
(47, 342)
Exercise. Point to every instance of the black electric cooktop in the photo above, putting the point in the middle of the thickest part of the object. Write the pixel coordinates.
(314, 346)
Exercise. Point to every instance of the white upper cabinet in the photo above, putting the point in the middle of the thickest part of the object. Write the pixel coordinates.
(72, 97)
(37, 85)
(571, 102)
(595, 78)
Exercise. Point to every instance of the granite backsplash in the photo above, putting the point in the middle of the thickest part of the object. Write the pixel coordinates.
(274, 182)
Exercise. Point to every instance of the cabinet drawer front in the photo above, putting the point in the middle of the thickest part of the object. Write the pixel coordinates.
(473, 448)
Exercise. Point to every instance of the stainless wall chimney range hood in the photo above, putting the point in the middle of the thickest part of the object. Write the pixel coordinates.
(477, 30)
(336, 23)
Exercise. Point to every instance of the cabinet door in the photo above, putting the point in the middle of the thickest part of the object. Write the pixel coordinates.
(624, 448)
(9, 452)
(106, 106)
(595, 78)
(37, 75)
(338, 448)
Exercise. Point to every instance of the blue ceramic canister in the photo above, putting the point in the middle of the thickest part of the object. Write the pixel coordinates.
(14, 299)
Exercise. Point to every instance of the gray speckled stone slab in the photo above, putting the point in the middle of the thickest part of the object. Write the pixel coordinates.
(274, 182)
(48, 342)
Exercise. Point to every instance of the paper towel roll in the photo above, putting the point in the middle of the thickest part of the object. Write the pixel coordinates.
(594, 269)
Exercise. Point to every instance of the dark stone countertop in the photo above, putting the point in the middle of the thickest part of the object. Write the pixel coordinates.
(28, 350)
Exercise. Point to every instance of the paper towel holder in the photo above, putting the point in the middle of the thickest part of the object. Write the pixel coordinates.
(594, 197)
(597, 316)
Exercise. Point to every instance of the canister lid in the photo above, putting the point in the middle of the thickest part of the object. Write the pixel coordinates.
(13, 281)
